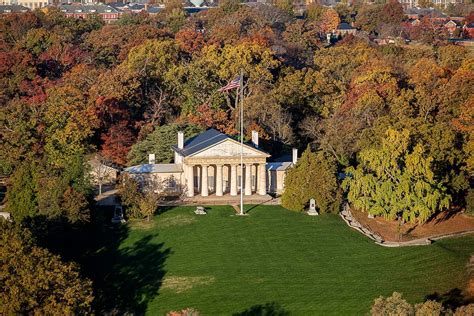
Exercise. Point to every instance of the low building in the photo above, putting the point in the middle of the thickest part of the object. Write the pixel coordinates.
(102, 172)
(13, 8)
(438, 3)
(81, 11)
(452, 26)
(30, 4)
(418, 13)
(210, 164)
(344, 29)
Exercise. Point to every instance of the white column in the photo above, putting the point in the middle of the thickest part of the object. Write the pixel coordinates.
(233, 180)
(262, 179)
(190, 180)
(204, 185)
(248, 179)
(219, 183)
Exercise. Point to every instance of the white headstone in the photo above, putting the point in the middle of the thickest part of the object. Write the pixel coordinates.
(312, 208)
(151, 159)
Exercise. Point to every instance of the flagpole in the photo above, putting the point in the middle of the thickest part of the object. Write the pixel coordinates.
(241, 142)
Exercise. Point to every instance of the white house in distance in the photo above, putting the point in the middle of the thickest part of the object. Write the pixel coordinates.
(209, 165)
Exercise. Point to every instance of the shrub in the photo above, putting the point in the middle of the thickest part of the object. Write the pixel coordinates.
(429, 308)
(467, 310)
(185, 312)
(393, 305)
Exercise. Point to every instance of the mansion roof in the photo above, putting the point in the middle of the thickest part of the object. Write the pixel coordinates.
(207, 139)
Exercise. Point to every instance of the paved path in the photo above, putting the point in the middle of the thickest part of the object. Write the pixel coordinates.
(109, 198)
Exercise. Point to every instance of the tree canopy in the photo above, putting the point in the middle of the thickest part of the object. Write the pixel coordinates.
(34, 281)
(394, 180)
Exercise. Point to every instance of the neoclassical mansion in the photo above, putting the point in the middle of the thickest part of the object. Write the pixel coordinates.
(209, 165)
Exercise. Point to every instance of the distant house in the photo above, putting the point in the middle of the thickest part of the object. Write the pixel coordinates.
(345, 28)
(439, 3)
(13, 8)
(451, 26)
(102, 172)
(468, 30)
(432, 14)
(81, 11)
(30, 4)
(136, 8)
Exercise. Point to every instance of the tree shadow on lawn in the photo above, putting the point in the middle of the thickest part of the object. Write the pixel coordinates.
(129, 278)
(125, 279)
(268, 309)
(451, 299)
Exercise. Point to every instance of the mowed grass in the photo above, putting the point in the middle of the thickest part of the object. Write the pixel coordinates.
(222, 264)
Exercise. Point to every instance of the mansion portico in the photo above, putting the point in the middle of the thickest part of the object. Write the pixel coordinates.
(210, 164)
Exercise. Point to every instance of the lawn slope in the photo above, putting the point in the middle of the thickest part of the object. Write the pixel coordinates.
(225, 264)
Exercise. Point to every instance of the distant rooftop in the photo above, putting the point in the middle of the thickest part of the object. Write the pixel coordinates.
(431, 12)
(13, 8)
(344, 26)
(87, 8)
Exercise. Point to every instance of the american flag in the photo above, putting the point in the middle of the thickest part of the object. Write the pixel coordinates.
(231, 85)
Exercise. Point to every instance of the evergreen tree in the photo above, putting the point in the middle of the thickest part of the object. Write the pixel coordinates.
(159, 142)
(314, 176)
(21, 197)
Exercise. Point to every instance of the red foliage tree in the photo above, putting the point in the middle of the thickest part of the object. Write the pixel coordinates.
(190, 41)
(117, 142)
(207, 117)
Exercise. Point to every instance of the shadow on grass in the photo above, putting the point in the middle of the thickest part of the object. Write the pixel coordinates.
(125, 278)
(451, 299)
(268, 309)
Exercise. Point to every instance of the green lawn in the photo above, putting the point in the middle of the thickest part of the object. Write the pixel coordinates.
(272, 259)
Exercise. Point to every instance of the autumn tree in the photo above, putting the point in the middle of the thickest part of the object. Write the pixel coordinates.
(70, 121)
(394, 180)
(207, 117)
(148, 203)
(129, 193)
(174, 14)
(315, 11)
(117, 142)
(329, 21)
(368, 18)
(314, 176)
(34, 281)
(190, 41)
